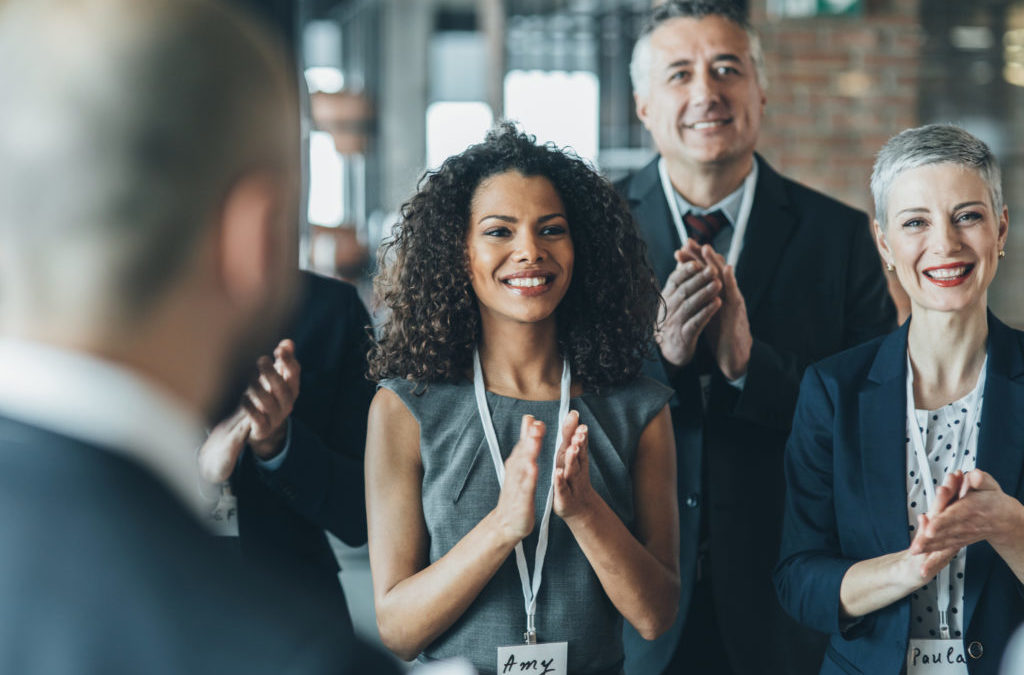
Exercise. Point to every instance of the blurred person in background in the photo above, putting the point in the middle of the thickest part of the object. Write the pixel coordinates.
(760, 276)
(904, 530)
(289, 460)
(518, 290)
(148, 184)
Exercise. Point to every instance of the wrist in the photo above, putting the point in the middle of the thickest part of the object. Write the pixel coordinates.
(737, 366)
(1010, 538)
(504, 535)
(906, 574)
(270, 447)
(586, 506)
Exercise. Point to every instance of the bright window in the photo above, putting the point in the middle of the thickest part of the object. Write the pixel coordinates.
(453, 126)
(556, 106)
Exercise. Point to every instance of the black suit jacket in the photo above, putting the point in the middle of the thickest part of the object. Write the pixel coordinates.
(282, 514)
(103, 571)
(813, 285)
(846, 463)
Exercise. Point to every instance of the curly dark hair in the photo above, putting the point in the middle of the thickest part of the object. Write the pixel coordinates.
(606, 319)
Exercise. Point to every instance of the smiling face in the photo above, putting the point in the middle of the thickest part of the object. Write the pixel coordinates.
(942, 236)
(704, 104)
(519, 247)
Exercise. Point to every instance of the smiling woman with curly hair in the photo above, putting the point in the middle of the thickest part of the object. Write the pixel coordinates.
(606, 319)
(518, 288)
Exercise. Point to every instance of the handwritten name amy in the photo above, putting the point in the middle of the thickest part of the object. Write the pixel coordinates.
(544, 667)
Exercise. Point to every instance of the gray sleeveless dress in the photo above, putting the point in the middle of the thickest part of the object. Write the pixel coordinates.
(460, 487)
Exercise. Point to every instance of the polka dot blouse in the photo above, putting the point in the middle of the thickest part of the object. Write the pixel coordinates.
(950, 445)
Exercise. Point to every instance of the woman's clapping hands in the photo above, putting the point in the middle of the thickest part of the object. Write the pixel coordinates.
(969, 507)
(573, 490)
(515, 507)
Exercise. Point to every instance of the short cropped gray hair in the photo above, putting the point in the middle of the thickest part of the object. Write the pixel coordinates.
(933, 144)
(123, 125)
(640, 63)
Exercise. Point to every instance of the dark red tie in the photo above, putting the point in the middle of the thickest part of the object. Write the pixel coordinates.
(704, 228)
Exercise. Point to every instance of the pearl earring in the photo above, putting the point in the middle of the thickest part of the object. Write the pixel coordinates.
(1002, 253)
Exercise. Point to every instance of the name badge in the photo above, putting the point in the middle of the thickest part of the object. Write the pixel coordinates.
(547, 658)
(936, 657)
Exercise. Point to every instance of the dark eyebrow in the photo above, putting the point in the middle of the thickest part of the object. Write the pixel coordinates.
(506, 219)
(510, 219)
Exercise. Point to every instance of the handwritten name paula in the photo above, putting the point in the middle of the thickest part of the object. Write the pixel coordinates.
(919, 657)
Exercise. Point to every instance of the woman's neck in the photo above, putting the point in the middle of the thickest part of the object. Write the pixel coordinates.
(521, 360)
(947, 350)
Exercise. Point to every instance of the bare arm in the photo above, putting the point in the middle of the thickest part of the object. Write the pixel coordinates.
(416, 601)
(640, 576)
(872, 584)
(969, 508)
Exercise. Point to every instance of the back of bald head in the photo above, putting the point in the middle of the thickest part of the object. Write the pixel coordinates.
(123, 125)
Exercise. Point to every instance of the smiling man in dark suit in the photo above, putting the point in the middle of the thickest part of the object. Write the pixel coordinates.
(766, 276)
(148, 181)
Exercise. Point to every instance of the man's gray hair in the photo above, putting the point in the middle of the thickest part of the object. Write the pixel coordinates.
(640, 63)
(933, 144)
(123, 125)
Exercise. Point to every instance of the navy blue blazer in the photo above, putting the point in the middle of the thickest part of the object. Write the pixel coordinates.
(847, 499)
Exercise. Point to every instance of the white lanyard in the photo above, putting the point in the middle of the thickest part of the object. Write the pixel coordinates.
(926, 473)
(529, 590)
(739, 228)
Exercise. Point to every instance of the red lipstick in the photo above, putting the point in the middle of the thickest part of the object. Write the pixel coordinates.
(945, 281)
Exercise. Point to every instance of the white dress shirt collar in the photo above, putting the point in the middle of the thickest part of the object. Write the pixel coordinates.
(737, 206)
(104, 404)
(730, 205)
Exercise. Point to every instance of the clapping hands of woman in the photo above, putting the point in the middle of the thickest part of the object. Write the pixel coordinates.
(969, 507)
(573, 490)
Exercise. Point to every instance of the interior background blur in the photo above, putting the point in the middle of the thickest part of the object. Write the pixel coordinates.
(398, 85)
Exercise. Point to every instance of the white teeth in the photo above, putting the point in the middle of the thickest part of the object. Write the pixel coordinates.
(707, 125)
(527, 282)
(947, 273)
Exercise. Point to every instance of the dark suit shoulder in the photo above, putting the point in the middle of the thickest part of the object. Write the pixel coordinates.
(122, 579)
(320, 286)
(328, 302)
(637, 184)
(813, 201)
(851, 365)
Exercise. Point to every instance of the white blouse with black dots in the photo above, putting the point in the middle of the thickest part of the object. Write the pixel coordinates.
(950, 445)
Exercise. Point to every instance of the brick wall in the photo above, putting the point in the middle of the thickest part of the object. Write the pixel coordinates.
(838, 89)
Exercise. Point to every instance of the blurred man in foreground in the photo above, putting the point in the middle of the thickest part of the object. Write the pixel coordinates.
(148, 155)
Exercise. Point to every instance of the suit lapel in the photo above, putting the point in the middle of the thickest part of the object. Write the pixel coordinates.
(654, 220)
(883, 427)
(769, 228)
(1000, 442)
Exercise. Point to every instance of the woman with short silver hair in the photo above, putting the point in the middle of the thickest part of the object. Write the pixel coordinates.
(904, 528)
